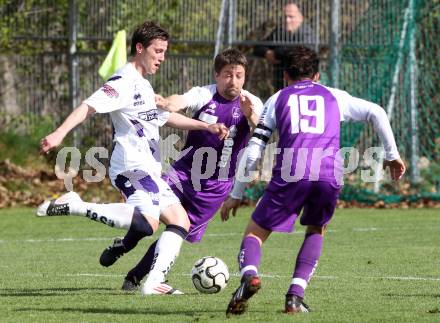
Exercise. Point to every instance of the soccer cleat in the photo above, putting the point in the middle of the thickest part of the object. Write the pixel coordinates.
(112, 253)
(159, 289)
(249, 286)
(130, 284)
(294, 304)
(59, 206)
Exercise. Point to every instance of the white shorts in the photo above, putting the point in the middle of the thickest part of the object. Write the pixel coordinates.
(150, 194)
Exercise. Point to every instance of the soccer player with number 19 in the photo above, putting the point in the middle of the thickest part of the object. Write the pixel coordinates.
(307, 116)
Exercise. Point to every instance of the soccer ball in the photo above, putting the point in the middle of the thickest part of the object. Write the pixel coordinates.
(209, 275)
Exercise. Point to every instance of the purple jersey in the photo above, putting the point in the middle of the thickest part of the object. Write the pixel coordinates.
(308, 170)
(307, 117)
(203, 152)
(202, 201)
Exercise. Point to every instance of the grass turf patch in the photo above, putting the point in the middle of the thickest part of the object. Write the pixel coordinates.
(377, 266)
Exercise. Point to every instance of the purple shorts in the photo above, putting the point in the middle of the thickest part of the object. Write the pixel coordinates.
(279, 208)
(201, 205)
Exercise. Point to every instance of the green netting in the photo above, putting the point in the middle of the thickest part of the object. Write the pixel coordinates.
(376, 64)
(378, 49)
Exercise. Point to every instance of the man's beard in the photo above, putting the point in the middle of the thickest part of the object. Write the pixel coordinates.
(232, 92)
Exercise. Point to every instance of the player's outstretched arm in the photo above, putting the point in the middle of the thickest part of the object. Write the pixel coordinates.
(361, 110)
(173, 103)
(179, 121)
(77, 116)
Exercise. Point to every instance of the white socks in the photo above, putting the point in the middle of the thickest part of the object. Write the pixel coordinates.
(117, 215)
(167, 250)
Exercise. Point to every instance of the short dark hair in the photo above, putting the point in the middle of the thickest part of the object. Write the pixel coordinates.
(229, 56)
(301, 62)
(146, 33)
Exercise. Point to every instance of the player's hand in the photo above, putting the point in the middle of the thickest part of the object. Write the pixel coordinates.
(229, 204)
(246, 106)
(219, 129)
(162, 103)
(397, 168)
(51, 141)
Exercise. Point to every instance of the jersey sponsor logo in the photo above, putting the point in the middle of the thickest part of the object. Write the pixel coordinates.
(114, 78)
(148, 115)
(109, 91)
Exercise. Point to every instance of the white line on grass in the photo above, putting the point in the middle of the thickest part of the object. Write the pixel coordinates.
(409, 278)
(372, 229)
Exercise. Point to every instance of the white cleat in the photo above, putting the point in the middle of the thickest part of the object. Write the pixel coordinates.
(159, 289)
(59, 206)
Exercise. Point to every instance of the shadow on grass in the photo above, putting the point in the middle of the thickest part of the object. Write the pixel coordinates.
(111, 310)
(19, 292)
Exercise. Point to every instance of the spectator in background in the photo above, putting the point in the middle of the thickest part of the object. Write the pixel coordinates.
(291, 32)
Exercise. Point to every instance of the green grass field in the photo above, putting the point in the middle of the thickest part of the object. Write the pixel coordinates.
(377, 266)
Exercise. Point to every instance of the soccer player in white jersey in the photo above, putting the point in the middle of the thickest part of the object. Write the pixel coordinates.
(307, 174)
(135, 161)
(228, 103)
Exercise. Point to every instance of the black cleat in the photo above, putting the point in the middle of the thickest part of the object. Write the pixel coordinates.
(249, 286)
(112, 253)
(130, 284)
(294, 304)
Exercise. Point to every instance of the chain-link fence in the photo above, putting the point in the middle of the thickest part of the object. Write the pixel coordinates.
(381, 50)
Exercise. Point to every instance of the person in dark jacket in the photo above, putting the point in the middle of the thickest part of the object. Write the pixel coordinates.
(292, 31)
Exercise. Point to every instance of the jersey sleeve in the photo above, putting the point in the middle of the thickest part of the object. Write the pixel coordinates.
(112, 96)
(267, 123)
(356, 109)
(198, 96)
(162, 116)
(248, 163)
(256, 146)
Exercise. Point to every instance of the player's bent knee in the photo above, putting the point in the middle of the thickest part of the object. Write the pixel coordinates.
(176, 215)
(316, 229)
(140, 223)
(254, 230)
(180, 231)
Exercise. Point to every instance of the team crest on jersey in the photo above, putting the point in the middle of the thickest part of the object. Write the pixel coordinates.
(148, 115)
(236, 113)
(109, 91)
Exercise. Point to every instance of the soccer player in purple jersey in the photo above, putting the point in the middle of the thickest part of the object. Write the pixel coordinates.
(307, 172)
(202, 177)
